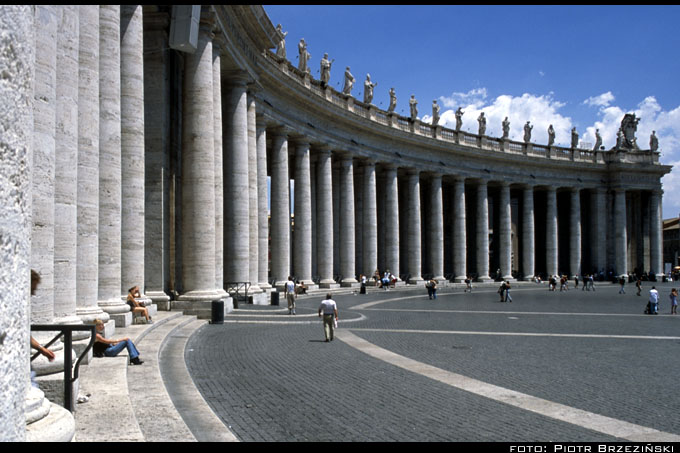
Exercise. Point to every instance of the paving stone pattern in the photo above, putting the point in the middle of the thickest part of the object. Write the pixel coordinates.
(281, 382)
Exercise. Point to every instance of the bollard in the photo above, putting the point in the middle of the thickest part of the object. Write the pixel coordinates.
(217, 312)
(275, 298)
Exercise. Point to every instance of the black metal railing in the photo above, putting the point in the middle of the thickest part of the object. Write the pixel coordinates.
(237, 291)
(70, 372)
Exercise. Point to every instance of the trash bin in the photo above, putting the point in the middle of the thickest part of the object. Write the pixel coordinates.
(217, 312)
(275, 298)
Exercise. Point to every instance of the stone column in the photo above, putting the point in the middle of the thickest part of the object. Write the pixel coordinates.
(41, 245)
(620, 233)
(347, 230)
(391, 221)
(459, 232)
(132, 147)
(551, 232)
(262, 206)
(18, 42)
(575, 234)
(66, 168)
(370, 220)
(198, 177)
(235, 168)
(655, 234)
(414, 229)
(528, 234)
(482, 232)
(110, 192)
(437, 228)
(218, 167)
(157, 133)
(506, 232)
(280, 208)
(253, 213)
(324, 215)
(599, 229)
(88, 166)
(302, 250)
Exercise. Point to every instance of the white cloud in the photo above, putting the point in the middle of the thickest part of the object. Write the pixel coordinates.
(602, 100)
(544, 110)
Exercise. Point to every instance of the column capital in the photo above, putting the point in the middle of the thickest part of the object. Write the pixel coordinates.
(236, 78)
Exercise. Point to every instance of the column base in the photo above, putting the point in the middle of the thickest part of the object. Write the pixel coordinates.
(484, 279)
(328, 284)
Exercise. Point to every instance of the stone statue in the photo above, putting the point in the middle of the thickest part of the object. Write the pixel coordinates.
(574, 138)
(653, 142)
(326, 70)
(393, 101)
(506, 128)
(459, 118)
(435, 113)
(482, 123)
(598, 140)
(619, 139)
(368, 89)
(304, 56)
(551, 135)
(628, 128)
(413, 104)
(281, 46)
(527, 132)
(349, 82)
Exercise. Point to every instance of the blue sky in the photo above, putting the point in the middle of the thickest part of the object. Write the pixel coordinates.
(570, 66)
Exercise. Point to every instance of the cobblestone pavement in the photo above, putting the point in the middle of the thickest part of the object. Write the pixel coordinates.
(270, 377)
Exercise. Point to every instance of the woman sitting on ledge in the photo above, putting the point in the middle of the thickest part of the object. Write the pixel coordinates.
(111, 348)
(136, 307)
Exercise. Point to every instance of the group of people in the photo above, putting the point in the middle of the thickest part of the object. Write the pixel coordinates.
(102, 347)
(653, 304)
(504, 291)
(386, 280)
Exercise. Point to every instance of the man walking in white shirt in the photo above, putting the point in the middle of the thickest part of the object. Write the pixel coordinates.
(653, 301)
(289, 292)
(329, 310)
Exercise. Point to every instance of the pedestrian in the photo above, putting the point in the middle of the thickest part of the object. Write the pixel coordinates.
(289, 292)
(638, 285)
(501, 291)
(653, 301)
(329, 310)
(468, 284)
(507, 291)
(674, 301)
(431, 286)
(622, 282)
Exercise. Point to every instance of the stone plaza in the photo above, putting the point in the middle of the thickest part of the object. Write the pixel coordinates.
(154, 146)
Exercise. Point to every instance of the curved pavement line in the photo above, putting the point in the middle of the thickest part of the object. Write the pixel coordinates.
(588, 420)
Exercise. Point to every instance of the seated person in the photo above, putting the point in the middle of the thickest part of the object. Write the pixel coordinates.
(111, 348)
(136, 307)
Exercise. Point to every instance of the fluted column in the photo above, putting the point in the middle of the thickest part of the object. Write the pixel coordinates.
(302, 250)
(280, 208)
(66, 168)
(551, 232)
(110, 192)
(620, 233)
(132, 147)
(370, 220)
(575, 234)
(436, 228)
(236, 193)
(324, 216)
(528, 234)
(262, 205)
(347, 228)
(391, 220)
(482, 232)
(198, 178)
(88, 166)
(253, 213)
(43, 150)
(655, 234)
(414, 229)
(506, 232)
(459, 232)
